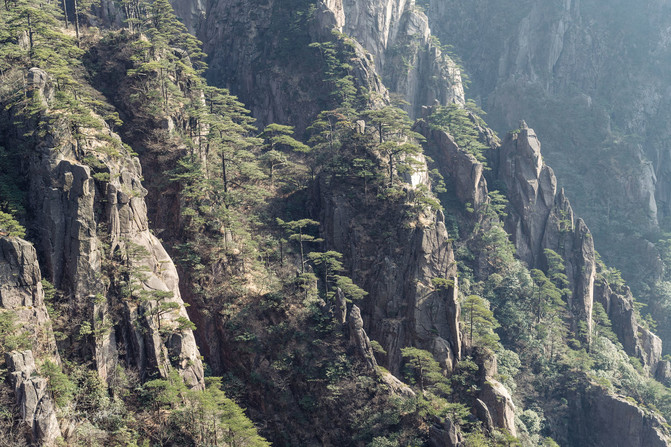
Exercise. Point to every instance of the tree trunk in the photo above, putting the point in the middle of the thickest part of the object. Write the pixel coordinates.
(76, 21)
(65, 13)
(300, 240)
(391, 170)
(30, 38)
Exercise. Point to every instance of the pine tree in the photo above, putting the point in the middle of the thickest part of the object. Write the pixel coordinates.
(392, 127)
(480, 322)
(296, 230)
(462, 126)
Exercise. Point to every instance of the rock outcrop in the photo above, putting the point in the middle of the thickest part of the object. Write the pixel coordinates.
(445, 435)
(38, 411)
(359, 339)
(493, 403)
(404, 307)
(540, 217)
(499, 402)
(637, 341)
(409, 59)
(276, 74)
(461, 170)
(598, 418)
(21, 293)
(269, 65)
(90, 219)
(590, 78)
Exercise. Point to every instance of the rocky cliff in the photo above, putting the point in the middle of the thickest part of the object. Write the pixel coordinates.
(255, 54)
(22, 296)
(396, 265)
(91, 226)
(410, 61)
(38, 411)
(541, 218)
(274, 315)
(593, 413)
(263, 55)
(21, 293)
(595, 67)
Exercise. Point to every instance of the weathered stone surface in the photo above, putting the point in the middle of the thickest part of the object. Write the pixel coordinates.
(459, 168)
(76, 215)
(37, 408)
(340, 309)
(664, 372)
(482, 413)
(398, 36)
(37, 81)
(500, 404)
(540, 217)
(273, 71)
(445, 435)
(636, 341)
(492, 394)
(21, 292)
(566, 59)
(359, 338)
(392, 42)
(403, 307)
(601, 419)
(395, 386)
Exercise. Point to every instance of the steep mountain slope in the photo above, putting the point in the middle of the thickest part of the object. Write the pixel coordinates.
(363, 287)
(264, 56)
(600, 69)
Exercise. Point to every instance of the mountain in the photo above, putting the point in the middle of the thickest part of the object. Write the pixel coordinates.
(596, 68)
(344, 253)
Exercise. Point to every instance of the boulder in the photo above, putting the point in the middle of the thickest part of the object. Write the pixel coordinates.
(445, 435)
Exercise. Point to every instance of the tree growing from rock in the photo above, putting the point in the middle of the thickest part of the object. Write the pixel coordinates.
(480, 322)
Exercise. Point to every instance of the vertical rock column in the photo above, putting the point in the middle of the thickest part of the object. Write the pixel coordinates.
(83, 222)
(37, 408)
(21, 293)
(540, 217)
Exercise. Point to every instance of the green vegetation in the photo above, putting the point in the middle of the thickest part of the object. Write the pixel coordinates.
(12, 336)
(462, 124)
(236, 206)
(480, 322)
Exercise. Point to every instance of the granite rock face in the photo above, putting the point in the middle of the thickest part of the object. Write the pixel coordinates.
(21, 293)
(278, 76)
(359, 338)
(540, 217)
(459, 168)
(598, 418)
(493, 402)
(38, 411)
(89, 214)
(637, 341)
(409, 60)
(445, 435)
(403, 307)
(599, 69)
(270, 67)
